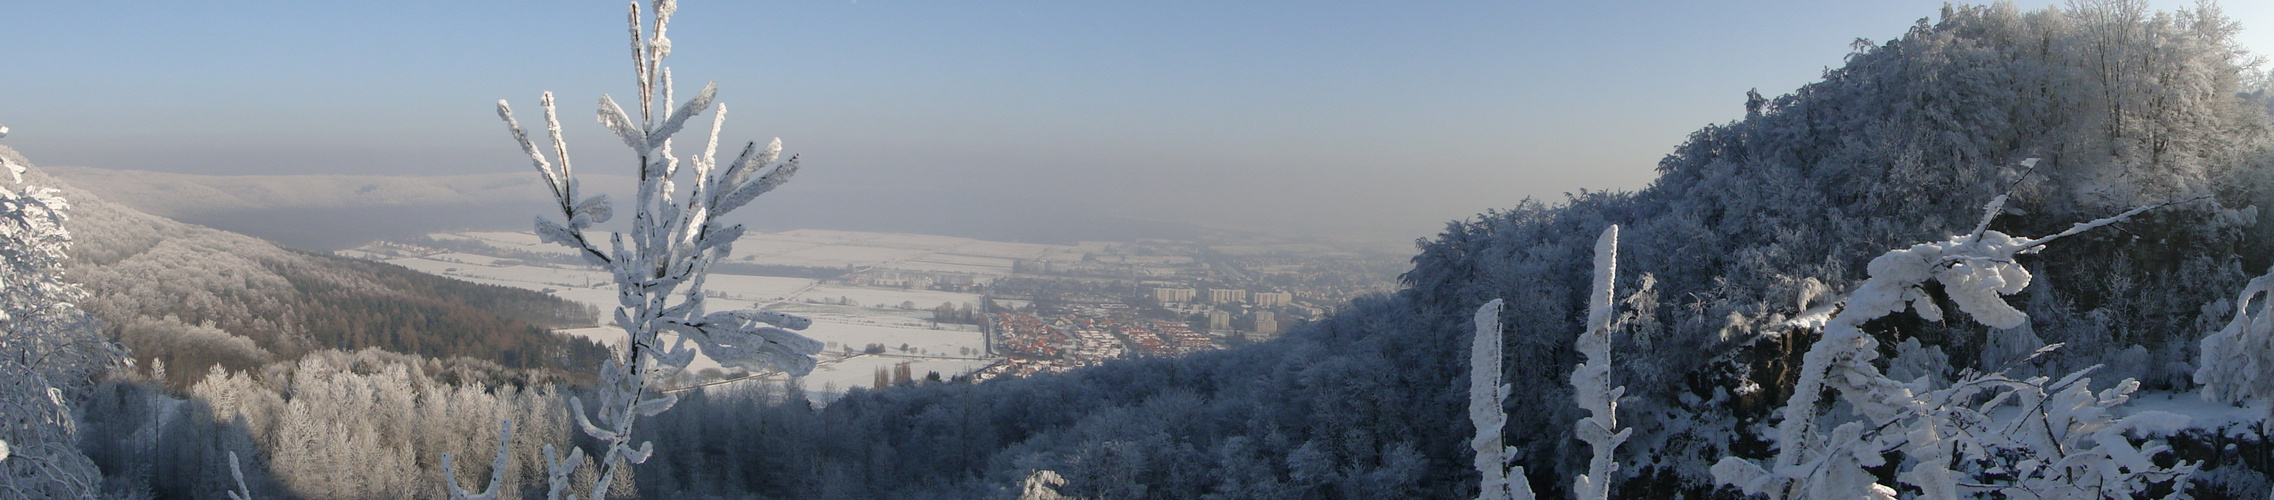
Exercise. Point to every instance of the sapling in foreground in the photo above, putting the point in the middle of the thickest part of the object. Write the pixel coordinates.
(659, 265)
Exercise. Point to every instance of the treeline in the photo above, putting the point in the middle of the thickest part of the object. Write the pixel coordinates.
(441, 317)
(962, 315)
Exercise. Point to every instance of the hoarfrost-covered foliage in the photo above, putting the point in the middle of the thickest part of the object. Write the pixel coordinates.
(675, 236)
(2238, 361)
(1754, 223)
(51, 351)
(366, 424)
(2058, 441)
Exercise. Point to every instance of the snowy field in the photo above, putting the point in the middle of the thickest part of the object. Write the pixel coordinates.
(919, 341)
(876, 317)
(928, 264)
(919, 318)
(887, 297)
(755, 288)
(929, 351)
(521, 276)
(838, 256)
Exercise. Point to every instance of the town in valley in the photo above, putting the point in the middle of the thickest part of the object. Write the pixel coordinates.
(903, 308)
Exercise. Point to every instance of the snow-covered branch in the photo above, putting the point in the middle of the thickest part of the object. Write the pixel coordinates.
(675, 236)
(2236, 364)
(1591, 381)
(1486, 395)
(2060, 443)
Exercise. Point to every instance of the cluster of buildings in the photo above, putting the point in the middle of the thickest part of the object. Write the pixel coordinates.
(1025, 335)
(1165, 338)
(1224, 296)
(1227, 304)
(1036, 344)
(1166, 298)
(1168, 295)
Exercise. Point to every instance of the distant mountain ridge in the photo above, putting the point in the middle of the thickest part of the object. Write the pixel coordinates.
(196, 296)
(325, 212)
(169, 195)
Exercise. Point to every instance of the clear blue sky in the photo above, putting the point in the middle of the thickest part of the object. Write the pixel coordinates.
(1379, 119)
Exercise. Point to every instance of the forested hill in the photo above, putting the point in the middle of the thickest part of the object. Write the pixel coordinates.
(1753, 221)
(195, 296)
(1749, 223)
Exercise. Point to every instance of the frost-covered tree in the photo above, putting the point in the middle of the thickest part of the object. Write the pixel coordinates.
(50, 351)
(675, 235)
(2059, 441)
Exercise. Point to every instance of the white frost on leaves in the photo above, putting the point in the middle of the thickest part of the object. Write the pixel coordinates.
(2238, 361)
(1591, 381)
(1976, 271)
(661, 263)
(2058, 442)
(1042, 485)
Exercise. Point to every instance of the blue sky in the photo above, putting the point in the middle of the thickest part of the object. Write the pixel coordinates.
(1373, 119)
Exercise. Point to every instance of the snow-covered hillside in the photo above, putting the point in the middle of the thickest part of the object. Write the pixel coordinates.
(197, 296)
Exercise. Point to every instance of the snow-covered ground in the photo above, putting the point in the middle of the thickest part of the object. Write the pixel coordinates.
(755, 288)
(834, 256)
(887, 297)
(920, 341)
(874, 317)
(2200, 414)
(516, 275)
